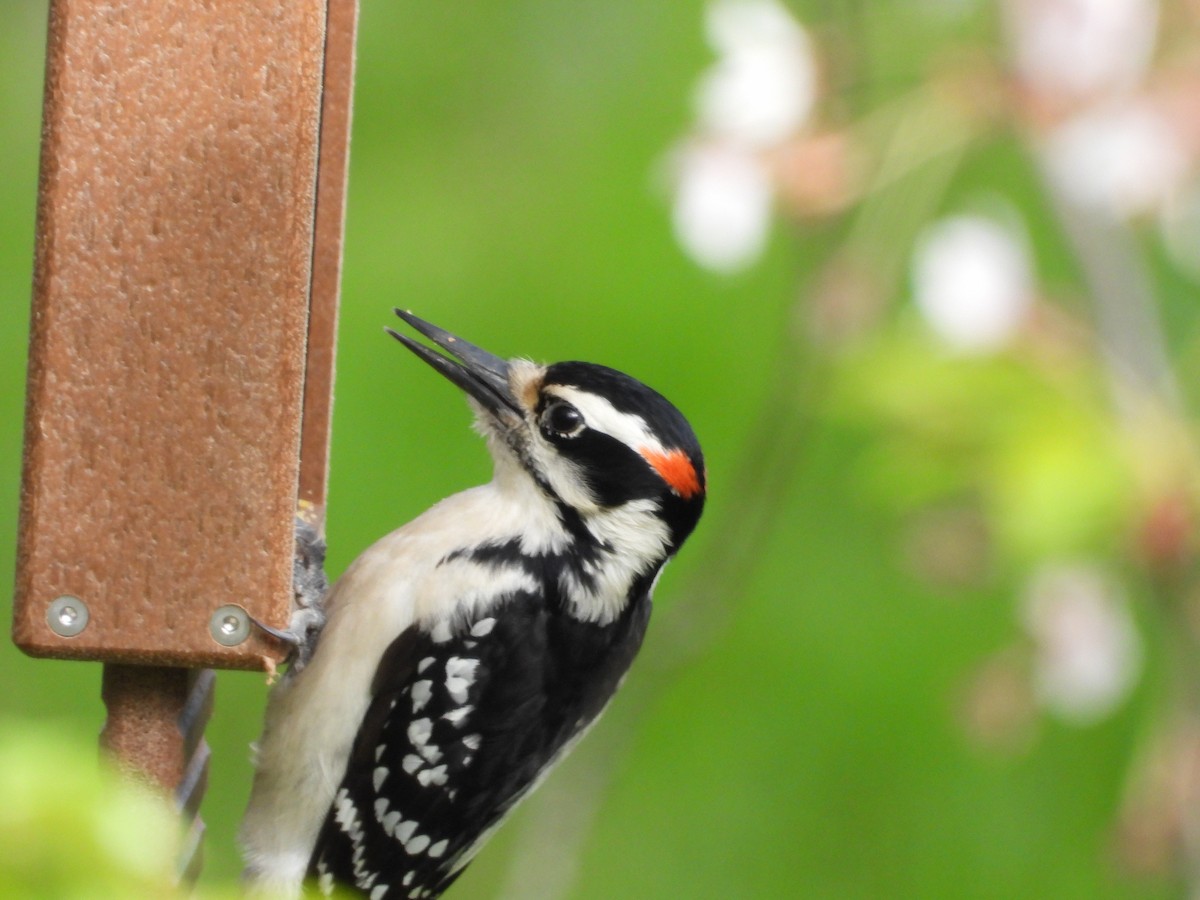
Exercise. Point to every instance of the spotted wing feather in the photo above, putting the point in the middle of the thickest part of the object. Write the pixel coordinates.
(457, 732)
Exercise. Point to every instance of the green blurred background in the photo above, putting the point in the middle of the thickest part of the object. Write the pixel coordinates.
(802, 734)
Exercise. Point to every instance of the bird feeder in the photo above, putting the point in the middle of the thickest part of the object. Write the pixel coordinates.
(188, 255)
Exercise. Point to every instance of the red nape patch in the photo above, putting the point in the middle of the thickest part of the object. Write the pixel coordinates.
(676, 470)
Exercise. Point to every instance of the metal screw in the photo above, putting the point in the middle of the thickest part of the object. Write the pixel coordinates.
(229, 625)
(67, 616)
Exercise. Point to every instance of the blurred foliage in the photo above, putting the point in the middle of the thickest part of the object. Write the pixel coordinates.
(833, 699)
(70, 828)
(1032, 438)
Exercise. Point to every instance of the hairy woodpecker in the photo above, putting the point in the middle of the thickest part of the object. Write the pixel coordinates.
(466, 652)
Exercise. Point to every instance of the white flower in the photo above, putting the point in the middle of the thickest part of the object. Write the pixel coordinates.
(1088, 655)
(1078, 49)
(722, 206)
(763, 86)
(972, 282)
(1119, 160)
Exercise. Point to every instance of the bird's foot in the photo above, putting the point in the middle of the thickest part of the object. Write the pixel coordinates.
(309, 586)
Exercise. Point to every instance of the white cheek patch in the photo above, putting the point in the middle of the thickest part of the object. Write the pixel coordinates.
(565, 478)
(636, 536)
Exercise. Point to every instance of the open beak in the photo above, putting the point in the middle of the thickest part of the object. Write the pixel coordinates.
(483, 376)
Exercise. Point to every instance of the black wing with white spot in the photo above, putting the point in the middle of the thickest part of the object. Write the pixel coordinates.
(459, 728)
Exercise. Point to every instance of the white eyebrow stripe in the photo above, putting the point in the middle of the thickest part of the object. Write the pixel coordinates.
(600, 415)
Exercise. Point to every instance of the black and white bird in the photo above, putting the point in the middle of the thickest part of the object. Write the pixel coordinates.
(466, 652)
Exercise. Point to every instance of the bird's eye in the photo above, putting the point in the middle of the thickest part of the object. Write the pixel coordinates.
(562, 420)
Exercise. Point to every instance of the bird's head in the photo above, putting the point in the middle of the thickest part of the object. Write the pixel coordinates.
(595, 440)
